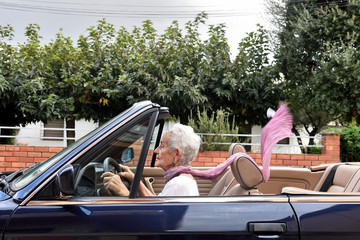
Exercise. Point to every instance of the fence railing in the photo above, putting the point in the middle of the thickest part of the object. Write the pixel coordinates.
(258, 136)
(37, 133)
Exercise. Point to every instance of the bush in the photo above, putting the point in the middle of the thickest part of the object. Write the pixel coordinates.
(350, 143)
(219, 124)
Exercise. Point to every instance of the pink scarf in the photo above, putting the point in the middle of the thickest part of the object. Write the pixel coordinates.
(207, 174)
(279, 127)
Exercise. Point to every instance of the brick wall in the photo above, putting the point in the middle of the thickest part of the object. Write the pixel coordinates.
(13, 157)
(329, 154)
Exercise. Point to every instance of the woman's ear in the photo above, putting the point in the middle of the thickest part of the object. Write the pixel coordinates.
(177, 156)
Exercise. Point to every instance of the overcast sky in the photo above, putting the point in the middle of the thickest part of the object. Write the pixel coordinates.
(75, 16)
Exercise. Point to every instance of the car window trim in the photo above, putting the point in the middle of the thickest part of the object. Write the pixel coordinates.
(84, 151)
(143, 154)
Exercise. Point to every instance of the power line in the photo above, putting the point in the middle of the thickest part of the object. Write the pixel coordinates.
(123, 13)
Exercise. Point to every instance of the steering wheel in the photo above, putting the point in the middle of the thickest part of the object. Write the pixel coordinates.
(110, 162)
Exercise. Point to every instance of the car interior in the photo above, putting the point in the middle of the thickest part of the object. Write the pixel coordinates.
(242, 178)
(245, 178)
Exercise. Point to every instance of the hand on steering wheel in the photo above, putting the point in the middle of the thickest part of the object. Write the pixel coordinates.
(113, 184)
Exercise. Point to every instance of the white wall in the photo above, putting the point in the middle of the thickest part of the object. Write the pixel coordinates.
(32, 133)
(295, 149)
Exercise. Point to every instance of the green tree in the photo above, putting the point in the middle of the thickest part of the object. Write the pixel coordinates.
(258, 84)
(107, 70)
(312, 36)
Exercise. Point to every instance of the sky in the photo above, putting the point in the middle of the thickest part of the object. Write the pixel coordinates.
(75, 16)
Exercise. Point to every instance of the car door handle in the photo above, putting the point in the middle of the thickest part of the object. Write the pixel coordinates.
(267, 228)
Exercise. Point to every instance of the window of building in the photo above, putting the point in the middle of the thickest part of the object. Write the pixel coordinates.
(52, 130)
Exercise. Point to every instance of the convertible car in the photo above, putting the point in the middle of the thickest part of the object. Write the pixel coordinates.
(64, 197)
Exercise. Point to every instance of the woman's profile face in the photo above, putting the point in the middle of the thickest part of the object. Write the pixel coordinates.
(164, 157)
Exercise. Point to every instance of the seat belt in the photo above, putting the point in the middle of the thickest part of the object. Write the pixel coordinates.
(329, 179)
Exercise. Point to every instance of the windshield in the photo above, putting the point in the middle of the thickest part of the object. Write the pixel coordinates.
(28, 176)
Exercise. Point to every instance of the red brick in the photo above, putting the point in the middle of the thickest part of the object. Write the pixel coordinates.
(209, 164)
(312, 157)
(331, 143)
(204, 159)
(12, 159)
(11, 169)
(2, 169)
(283, 156)
(258, 162)
(26, 149)
(2, 159)
(2, 148)
(6, 154)
(34, 154)
(20, 154)
(41, 149)
(48, 155)
(12, 148)
(18, 164)
(304, 163)
(39, 159)
(213, 154)
(224, 154)
(27, 159)
(255, 155)
(329, 148)
(201, 154)
(297, 156)
(55, 149)
(218, 160)
(277, 162)
(197, 164)
(326, 158)
(290, 163)
(333, 161)
(5, 164)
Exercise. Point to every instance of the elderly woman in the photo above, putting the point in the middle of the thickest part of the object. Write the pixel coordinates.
(177, 149)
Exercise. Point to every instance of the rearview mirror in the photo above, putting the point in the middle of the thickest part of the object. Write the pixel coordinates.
(127, 155)
(66, 181)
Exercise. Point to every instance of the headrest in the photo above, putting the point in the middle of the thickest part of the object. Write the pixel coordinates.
(246, 172)
(235, 148)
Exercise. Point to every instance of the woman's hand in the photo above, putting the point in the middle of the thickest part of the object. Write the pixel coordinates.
(126, 173)
(113, 184)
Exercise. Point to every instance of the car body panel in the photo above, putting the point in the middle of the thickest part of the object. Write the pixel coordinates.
(153, 218)
(327, 216)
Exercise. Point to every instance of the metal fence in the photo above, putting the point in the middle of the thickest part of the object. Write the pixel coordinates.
(250, 140)
(28, 133)
(258, 136)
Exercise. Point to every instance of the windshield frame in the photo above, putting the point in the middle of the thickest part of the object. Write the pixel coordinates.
(24, 180)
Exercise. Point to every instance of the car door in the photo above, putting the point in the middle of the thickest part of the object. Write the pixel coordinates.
(328, 216)
(240, 217)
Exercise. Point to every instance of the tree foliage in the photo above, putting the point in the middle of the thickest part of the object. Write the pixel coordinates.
(316, 51)
(109, 69)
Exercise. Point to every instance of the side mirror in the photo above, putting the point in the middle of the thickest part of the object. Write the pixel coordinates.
(66, 181)
(127, 155)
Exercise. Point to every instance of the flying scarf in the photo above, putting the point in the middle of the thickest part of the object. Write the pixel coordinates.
(279, 127)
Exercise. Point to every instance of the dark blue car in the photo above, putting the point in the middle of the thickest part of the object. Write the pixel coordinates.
(64, 197)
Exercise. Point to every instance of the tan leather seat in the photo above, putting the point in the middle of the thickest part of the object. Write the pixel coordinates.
(346, 179)
(343, 176)
(248, 175)
(227, 181)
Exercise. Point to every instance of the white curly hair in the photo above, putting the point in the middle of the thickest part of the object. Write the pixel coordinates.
(184, 138)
